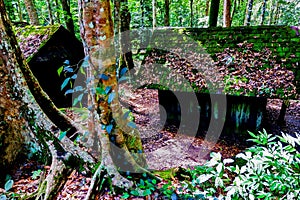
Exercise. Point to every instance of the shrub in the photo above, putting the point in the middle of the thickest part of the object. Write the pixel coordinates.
(271, 170)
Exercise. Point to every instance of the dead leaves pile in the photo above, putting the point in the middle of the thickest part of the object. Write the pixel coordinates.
(236, 71)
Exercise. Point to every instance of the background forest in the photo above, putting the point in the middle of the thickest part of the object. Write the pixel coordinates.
(157, 13)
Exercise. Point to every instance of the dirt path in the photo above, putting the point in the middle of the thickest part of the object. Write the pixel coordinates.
(165, 148)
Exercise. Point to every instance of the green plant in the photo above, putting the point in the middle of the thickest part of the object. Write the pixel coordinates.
(212, 177)
(272, 169)
(36, 174)
(7, 187)
(143, 188)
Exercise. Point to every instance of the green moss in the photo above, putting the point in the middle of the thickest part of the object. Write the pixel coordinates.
(39, 34)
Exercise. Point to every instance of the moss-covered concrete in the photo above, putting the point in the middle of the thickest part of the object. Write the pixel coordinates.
(282, 41)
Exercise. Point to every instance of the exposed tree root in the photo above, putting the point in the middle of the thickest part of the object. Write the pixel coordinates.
(56, 178)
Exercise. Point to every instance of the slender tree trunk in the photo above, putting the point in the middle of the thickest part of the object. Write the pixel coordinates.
(226, 13)
(57, 11)
(272, 8)
(191, 14)
(20, 11)
(49, 11)
(277, 13)
(233, 11)
(68, 15)
(207, 7)
(153, 14)
(213, 13)
(124, 37)
(263, 12)
(31, 10)
(167, 13)
(248, 13)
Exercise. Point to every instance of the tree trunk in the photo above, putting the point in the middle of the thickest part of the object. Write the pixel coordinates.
(167, 13)
(57, 17)
(20, 11)
(272, 8)
(153, 14)
(191, 14)
(233, 11)
(207, 8)
(117, 142)
(34, 20)
(124, 36)
(226, 13)
(11, 126)
(248, 13)
(68, 15)
(49, 11)
(213, 13)
(263, 12)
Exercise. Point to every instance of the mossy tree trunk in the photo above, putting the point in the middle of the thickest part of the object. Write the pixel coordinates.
(21, 117)
(248, 13)
(68, 15)
(31, 10)
(12, 132)
(117, 142)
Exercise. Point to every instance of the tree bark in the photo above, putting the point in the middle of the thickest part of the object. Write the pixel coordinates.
(117, 142)
(248, 13)
(272, 9)
(20, 113)
(192, 12)
(57, 17)
(263, 12)
(20, 11)
(153, 14)
(11, 126)
(167, 13)
(207, 8)
(226, 13)
(49, 11)
(68, 15)
(31, 10)
(213, 13)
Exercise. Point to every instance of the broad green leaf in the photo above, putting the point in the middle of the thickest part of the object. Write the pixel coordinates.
(3, 197)
(59, 70)
(204, 177)
(109, 128)
(70, 91)
(219, 182)
(220, 168)
(74, 76)
(107, 89)
(100, 90)
(66, 81)
(62, 135)
(104, 77)
(131, 124)
(111, 97)
(8, 185)
(66, 62)
(125, 195)
(228, 160)
(147, 192)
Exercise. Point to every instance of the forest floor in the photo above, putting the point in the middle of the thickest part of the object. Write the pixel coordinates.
(164, 148)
